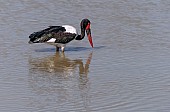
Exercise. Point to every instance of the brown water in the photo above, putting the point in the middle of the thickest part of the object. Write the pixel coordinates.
(128, 70)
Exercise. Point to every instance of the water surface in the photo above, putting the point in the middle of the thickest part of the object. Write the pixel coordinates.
(126, 71)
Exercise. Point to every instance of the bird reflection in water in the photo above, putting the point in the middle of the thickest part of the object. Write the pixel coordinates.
(59, 64)
(56, 78)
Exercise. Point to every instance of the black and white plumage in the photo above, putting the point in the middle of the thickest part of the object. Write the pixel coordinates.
(61, 35)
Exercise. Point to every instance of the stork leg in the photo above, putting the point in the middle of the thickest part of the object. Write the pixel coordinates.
(62, 49)
(57, 49)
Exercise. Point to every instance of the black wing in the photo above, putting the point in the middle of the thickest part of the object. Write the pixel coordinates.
(63, 37)
(46, 34)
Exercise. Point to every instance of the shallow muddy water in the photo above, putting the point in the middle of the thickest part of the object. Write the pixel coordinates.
(128, 70)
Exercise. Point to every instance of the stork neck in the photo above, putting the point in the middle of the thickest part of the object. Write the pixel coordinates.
(82, 33)
(80, 37)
